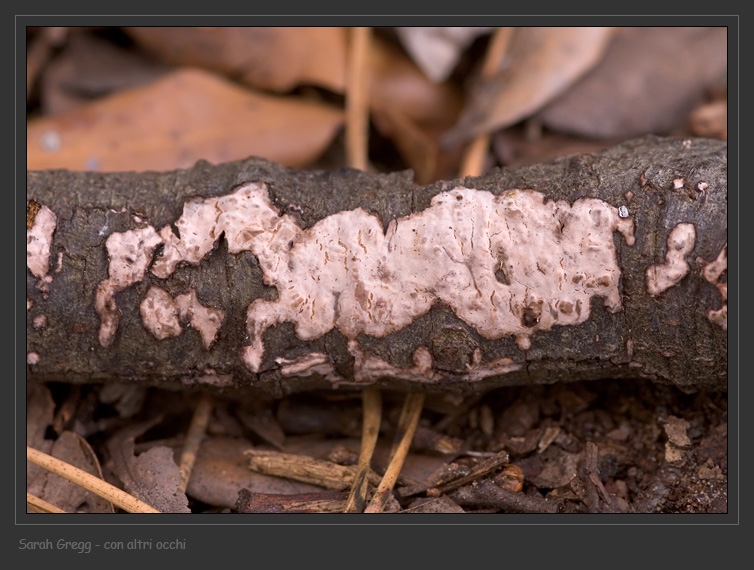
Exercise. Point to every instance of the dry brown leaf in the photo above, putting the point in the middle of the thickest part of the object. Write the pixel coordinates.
(710, 120)
(221, 471)
(152, 476)
(186, 116)
(513, 148)
(40, 408)
(648, 82)
(542, 63)
(277, 59)
(89, 67)
(412, 111)
(74, 450)
(419, 150)
(437, 50)
(263, 423)
(127, 399)
(396, 82)
(157, 479)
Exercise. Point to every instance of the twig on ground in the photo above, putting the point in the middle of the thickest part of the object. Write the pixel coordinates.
(194, 438)
(325, 502)
(89, 482)
(305, 469)
(485, 494)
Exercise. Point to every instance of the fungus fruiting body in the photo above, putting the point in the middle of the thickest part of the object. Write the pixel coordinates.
(130, 254)
(508, 264)
(39, 241)
(680, 244)
(712, 273)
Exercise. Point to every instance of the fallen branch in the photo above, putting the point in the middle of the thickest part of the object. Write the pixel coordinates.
(250, 276)
(487, 495)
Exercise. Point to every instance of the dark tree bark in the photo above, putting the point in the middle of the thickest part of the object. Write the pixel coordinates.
(674, 336)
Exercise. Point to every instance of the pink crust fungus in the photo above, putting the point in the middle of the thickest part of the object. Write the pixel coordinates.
(39, 322)
(32, 358)
(206, 320)
(39, 242)
(345, 272)
(130, 254)
(369, 368)
(680, 243)
(712, 272)
(161, 315)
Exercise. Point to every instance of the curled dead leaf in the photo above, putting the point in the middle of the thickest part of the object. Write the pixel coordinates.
(89, 67)
(70, 497)
(412, 111)
(541, 64)
(648, 82)
(437, 50)
(153, 476)
(277, 59)
(186, 116)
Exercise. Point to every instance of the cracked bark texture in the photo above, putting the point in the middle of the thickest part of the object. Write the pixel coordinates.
(667, 337)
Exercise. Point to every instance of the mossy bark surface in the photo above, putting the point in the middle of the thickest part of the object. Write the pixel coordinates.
(667, 338)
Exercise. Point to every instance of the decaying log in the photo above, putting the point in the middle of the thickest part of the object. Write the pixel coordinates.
(251, 276)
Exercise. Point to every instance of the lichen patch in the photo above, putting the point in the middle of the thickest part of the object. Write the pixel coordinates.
(39, 239)
(680, 243)
(712, 273)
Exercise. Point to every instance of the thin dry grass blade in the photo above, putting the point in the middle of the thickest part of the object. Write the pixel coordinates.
(40, 505)
(412, 408)
(372, 404)
(357, 99)
(473, 159)
(194, 438)
(89, 482)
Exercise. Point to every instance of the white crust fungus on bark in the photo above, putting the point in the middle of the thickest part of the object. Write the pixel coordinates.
(346, 273)
(206, 320)
(680, 244)
(130, 254)
(39, 322)
(159, 313)
(162, 315)
(511, 264)
(39, 242)
(712, 272)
